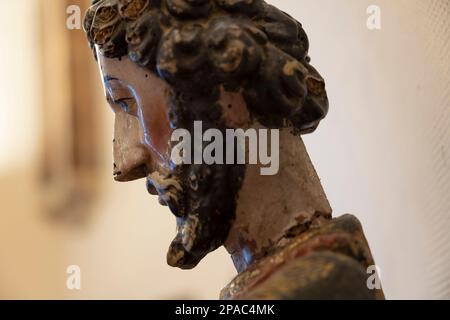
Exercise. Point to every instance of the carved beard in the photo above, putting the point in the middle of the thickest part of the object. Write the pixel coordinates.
(203, 198)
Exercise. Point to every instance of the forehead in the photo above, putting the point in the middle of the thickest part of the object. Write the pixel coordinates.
(126, 71)
(120, 68)
(130, 75)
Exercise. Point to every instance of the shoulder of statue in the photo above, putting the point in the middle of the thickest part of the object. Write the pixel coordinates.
(326, 262)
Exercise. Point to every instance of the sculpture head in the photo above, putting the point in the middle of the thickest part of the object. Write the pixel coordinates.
(227, 63)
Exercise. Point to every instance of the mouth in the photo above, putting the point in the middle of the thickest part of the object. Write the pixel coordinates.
(151, 187)
(167, 190)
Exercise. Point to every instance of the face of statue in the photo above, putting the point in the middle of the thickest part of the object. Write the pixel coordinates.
(140, 101)
(166, 64)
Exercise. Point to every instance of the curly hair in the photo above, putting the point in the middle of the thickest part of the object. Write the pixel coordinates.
(198, 45)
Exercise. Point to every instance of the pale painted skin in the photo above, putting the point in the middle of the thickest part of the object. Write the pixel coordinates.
(142, 130)
(142, 133)
(267, 207)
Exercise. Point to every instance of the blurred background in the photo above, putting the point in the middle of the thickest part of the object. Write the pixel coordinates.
(382, 154)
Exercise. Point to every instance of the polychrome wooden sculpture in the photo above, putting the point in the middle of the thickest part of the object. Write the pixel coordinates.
(170, 65)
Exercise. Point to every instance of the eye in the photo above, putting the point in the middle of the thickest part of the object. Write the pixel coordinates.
(123, 105)
(126, 104)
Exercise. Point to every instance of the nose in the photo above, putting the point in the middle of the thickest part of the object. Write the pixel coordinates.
(131, 158)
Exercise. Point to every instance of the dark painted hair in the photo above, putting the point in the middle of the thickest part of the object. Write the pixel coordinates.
(199, 45)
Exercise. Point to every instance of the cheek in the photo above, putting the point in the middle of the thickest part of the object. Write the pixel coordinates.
(156, 123)
(234, 108)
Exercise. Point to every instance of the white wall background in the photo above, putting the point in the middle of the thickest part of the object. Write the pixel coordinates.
(382, 154)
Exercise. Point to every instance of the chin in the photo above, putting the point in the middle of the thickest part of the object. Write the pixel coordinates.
(203, 200)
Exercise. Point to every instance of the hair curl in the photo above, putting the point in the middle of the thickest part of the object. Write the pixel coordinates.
(198, 45)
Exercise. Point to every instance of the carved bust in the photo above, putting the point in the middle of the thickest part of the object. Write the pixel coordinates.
(168, 65)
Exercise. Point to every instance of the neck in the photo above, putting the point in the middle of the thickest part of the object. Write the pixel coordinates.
(272, 209)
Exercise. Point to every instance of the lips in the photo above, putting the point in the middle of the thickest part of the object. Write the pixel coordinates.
(168, 191)
(151, 188)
